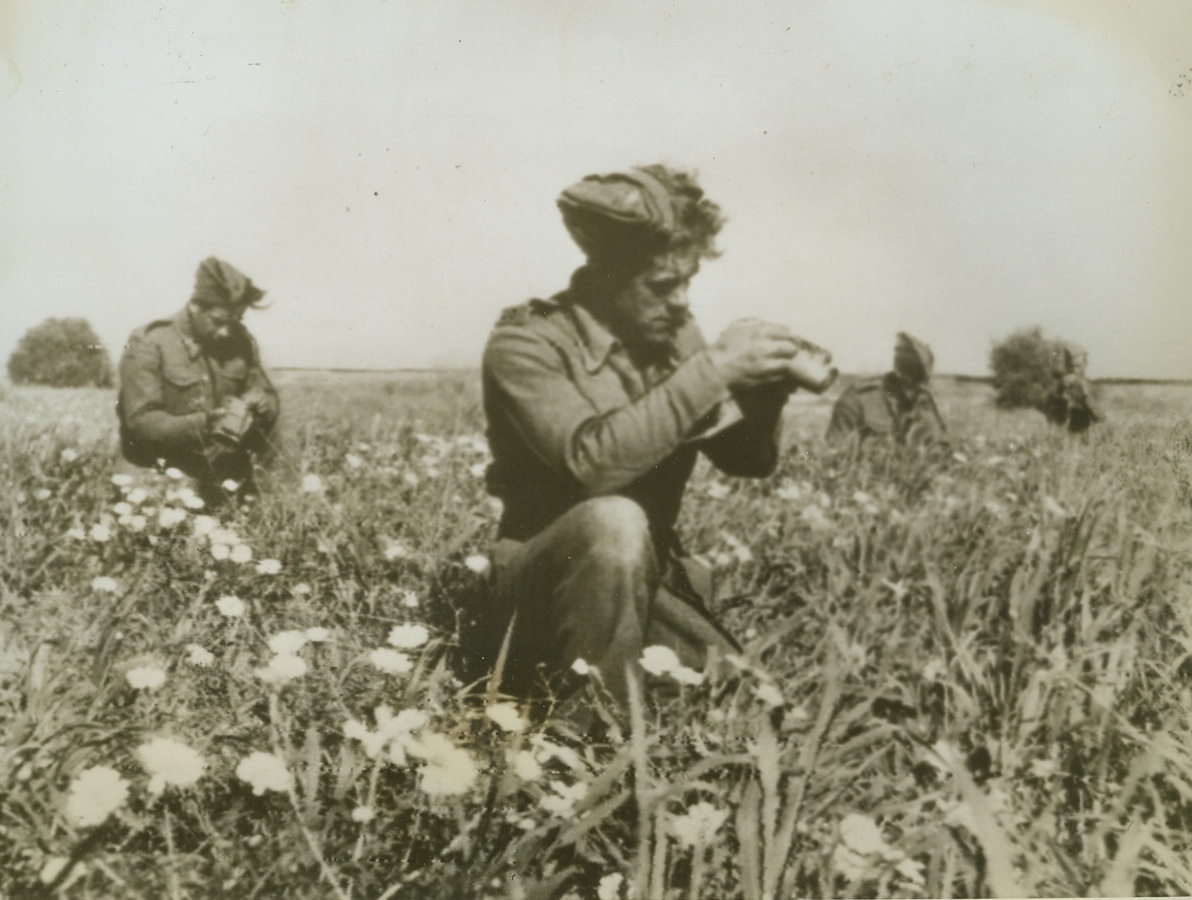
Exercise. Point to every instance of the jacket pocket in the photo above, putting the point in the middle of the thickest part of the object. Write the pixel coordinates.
(182, 390)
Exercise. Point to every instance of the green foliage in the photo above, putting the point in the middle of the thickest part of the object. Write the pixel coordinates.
(60, 353)
(1024, 368)
(964, 675)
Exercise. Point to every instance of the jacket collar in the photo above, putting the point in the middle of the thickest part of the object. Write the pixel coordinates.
(599, 344)
(596, 342)
(186, 333)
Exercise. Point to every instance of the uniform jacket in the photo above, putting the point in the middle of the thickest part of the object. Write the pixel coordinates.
(884, 407)
(1070, 403)
(570, 416)
(168, 385)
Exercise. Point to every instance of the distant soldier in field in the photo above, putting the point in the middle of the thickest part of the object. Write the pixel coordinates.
(897, 406)
(1070, 400)
(599, 400)
(192, 390)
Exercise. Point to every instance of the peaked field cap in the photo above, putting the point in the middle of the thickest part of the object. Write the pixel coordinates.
(631, 197)
(921, 350)
(602, 211)
(218, 283)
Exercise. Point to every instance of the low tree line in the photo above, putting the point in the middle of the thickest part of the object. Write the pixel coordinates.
(68, 353)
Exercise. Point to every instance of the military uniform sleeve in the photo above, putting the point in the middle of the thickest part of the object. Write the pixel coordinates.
(926, 426)
(603, 452)
(142, 402)
(749, 448)
(257, 385)
(848, 417)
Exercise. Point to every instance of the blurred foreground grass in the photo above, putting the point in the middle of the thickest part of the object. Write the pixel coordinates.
(964, 675)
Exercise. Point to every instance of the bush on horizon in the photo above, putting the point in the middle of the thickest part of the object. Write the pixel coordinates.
(61, 353)
(1024, 366)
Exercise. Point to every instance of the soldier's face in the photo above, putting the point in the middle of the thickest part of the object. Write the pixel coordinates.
(909, 367)
(213, 325)
(651, 304)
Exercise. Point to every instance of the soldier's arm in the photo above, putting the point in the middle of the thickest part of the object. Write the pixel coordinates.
(143, 403)
(602, 451)
(259, 390)
(749, 448)
(926, 425)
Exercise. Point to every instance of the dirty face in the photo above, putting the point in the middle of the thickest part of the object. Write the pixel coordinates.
(649, 304)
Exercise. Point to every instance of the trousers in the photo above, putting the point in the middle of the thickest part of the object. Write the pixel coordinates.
(594, 585)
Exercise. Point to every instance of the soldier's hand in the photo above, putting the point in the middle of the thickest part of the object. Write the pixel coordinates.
(213, 416)
(261, 404)
(751, 352)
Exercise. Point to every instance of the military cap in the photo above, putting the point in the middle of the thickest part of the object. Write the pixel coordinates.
(604, 213)
(1070, 358)
(905, 343)
(218, 283)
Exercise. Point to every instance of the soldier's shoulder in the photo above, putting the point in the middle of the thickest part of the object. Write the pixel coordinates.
(540, 320)
(158, 331)
(869, 386)
(852, 391)
(153, 327)
(536, 326)
(530, 314)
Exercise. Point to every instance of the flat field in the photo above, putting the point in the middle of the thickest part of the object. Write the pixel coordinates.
(965, 674)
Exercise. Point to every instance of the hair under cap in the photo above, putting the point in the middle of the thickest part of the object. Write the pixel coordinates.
(218, 283)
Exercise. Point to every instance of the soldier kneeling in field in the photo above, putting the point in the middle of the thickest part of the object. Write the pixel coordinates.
(1069, 402)
(599, 401)
(192, 391)
(897, 406)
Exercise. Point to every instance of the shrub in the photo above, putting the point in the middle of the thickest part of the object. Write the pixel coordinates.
(61, 353)
(1025, 367)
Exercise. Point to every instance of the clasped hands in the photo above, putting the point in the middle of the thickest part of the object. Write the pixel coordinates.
(259, 404)
(751, 353)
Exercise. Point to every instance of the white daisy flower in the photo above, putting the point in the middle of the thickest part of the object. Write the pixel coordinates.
(94, 795)
(170, 763)
(392, 661)
(146, 678)
(407, 636)
(506, 716)
(197, 655)
(478, 564)
(265, 772)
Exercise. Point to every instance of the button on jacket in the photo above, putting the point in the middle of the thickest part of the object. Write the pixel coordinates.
(169, 384)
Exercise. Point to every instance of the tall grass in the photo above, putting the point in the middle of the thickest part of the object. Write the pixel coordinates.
(966, 674)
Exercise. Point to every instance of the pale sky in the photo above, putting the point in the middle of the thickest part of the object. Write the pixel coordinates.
(387, 170)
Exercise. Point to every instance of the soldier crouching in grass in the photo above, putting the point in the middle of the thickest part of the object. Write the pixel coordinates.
(1069, 400)
(897, 406)
(598, 402)
(192, 390)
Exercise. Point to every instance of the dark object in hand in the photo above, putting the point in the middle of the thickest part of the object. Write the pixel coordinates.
(234, 424)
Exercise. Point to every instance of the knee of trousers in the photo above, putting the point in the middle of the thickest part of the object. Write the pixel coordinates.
(615, 532)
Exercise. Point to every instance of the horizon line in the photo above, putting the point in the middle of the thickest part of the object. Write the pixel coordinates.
(956, 376)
